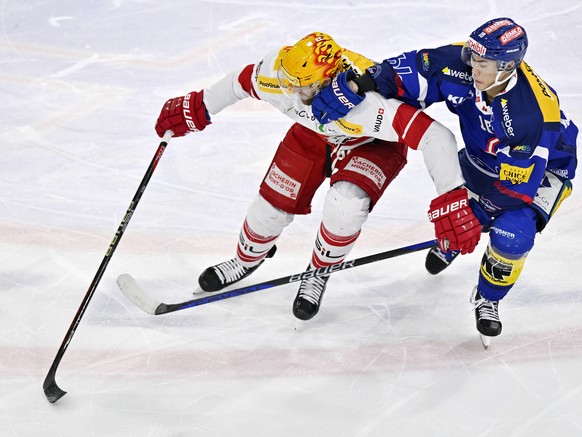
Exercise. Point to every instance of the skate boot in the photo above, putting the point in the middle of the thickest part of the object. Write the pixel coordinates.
(437, 260)
(217, 277)
(308, 299)
(486, 316)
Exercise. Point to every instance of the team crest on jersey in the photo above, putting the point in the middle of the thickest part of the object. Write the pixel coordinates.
(516, 175)
(374, 70)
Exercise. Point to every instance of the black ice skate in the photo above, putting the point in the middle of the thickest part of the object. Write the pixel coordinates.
(308, 299)
(437, 260)
(217, 277)
(486, 316)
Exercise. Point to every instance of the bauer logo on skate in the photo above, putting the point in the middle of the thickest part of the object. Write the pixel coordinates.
(368, 169)
(282, 183)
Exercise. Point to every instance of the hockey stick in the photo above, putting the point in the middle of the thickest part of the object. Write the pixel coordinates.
(52, 391)
(140, 298)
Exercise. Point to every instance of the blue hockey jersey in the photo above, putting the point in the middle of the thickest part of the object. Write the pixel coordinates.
(514, 139)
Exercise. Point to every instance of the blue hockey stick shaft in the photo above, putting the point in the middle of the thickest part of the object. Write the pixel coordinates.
(163, 308)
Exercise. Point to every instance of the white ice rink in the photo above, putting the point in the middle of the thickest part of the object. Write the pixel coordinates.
(393, 351)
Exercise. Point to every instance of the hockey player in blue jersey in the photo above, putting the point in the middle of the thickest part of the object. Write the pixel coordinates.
(520, 148)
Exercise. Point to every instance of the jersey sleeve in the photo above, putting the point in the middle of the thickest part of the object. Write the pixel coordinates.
(423, 77)
(397, 121)
(258, 81)
(230, 89)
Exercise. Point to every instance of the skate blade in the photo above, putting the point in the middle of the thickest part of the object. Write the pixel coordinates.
(486, 340)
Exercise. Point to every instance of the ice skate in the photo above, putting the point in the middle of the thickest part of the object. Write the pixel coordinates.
(437, 260)
(222, 275)
(308, 299)
(486, 316)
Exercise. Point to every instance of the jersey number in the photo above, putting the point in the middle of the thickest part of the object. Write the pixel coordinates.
(396, 64)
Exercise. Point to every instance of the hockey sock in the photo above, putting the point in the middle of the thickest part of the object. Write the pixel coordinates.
(331, 249)
(253, 248)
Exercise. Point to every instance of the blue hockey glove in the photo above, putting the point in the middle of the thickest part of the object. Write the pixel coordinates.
(336, 100)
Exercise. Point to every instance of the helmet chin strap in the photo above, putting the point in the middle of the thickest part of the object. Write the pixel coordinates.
(498, 82)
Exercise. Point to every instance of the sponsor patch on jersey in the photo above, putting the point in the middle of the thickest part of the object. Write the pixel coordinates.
(551, 193)
(368, 169)
(282, 183)
(379, 119)
(463, 75)
(425, 61)
(350, 128)
(268, 85)
(506, 121)
(510, 35)
(522, 148)
(544, 95)
(516, 175)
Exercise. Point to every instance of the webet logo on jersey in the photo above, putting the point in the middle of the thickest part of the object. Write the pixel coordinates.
(507, 127)
(463, 75)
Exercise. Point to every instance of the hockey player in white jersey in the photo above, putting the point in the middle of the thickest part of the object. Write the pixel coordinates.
(361, 154)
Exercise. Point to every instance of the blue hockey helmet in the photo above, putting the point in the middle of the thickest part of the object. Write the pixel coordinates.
(501, 40)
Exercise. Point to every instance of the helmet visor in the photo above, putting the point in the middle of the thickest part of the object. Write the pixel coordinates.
(292, 86)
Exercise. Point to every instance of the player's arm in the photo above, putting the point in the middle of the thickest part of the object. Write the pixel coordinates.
(192, 112)
(456, 226)
(397, 77)
(415, 77)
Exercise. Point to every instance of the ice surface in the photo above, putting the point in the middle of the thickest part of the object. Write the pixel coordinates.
(393, 352)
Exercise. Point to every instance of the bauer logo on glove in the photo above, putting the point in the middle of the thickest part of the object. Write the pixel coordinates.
(455, 224)
(447, 209)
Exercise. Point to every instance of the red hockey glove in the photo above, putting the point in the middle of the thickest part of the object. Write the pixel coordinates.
(183, 115)
(456, 227)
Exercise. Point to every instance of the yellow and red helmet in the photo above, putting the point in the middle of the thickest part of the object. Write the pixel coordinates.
(309, 62)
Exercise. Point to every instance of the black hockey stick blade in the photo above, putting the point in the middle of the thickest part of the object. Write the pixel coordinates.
(51, 390)
(140, 298)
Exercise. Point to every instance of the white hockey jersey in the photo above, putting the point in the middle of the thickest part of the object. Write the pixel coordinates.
(375, 117)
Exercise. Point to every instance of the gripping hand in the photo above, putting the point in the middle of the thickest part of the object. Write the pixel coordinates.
(336, 100)
(456, 226)
(183, 115)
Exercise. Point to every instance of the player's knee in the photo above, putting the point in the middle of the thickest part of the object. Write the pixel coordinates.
(266, 220)
(345, 209)
(513, 232)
